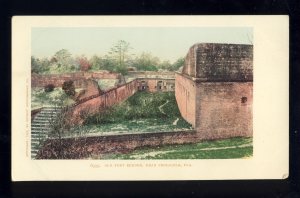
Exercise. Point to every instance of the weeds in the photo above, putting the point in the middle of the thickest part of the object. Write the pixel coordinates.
(142, 105)
(217, 149)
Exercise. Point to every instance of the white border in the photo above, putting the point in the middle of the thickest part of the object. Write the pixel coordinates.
(270, 105)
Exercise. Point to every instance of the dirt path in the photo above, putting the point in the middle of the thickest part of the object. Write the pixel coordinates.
(161, 106)
(175, 121)
(226, 147)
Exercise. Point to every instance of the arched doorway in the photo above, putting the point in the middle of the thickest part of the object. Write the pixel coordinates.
(143, 85)
(159, 86)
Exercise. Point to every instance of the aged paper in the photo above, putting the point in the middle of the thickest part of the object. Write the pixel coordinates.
(270, 106)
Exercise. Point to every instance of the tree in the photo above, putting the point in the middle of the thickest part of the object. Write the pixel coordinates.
(34, 65)
(177, 64)
(69, 88)
(49, 88)
(165, 65)
(39, 65)
(103, 63)
(62, 61)
(95, 62)
(146, 62)
(62, 56)
(83, 62)
(120, 53)
(108, 64)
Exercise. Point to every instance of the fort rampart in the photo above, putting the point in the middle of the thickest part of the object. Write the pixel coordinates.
(97, 145)
(41, 80)
(214, 92)
(98, 102)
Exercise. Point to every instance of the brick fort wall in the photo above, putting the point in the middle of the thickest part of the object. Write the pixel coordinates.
(224, 109)
(214, 91)
(220, 62)
(96, 103)
(41, 80)
(97, 145)
(185, 93)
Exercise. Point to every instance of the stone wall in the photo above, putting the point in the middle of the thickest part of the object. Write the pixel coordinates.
(39, 80)
(84, 147)
(224, 109)
(185, 93)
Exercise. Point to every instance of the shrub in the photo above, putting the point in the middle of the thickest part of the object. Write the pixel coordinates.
(69, 88)
(49, 88)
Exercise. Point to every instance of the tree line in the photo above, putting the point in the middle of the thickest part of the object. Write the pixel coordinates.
(118, 59)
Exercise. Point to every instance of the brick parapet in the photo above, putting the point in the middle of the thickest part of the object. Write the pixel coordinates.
(97, 145)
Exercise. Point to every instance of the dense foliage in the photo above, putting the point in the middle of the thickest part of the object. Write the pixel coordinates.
(49, 88)
(142, 105)
(69, 88)
(142, 112)
(118, 59)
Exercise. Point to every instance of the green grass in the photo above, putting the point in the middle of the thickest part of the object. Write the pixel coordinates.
(140, 105)
(139, 113)
(106, 84)
(217, 149)
(132, 126)
(40, 98)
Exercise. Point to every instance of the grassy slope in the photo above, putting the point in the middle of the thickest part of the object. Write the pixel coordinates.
(41, 98)
(140, 113)
(218, 149)
(106, 84)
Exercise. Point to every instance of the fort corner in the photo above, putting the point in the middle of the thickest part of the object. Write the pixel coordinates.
(214, 90)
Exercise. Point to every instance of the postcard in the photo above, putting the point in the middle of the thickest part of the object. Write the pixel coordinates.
(150, 98)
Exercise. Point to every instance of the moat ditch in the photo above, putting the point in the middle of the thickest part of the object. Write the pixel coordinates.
(142, 112)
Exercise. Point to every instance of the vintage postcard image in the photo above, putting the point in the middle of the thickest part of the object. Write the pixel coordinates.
(122, 95)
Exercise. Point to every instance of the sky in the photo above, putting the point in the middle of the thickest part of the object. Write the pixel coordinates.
(167, 43)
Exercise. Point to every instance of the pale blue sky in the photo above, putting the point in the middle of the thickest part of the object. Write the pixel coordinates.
(168, 43)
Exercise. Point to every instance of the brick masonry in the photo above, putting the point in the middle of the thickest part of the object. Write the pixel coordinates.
(151, 74)
(224, 109)
(185, 93)
(220, 62)
(89, 88)
(214, 91)
(156, 84)
(98, 102)
(84, 147)
(39, 80)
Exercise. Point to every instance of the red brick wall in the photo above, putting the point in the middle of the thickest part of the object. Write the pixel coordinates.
(89, 146)
(90, 87)
(220, 112)
(209, 92)
(101, 75)
(105, 99)
(151, 74)
(151, 84)
(38, 80)
(185, 92)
